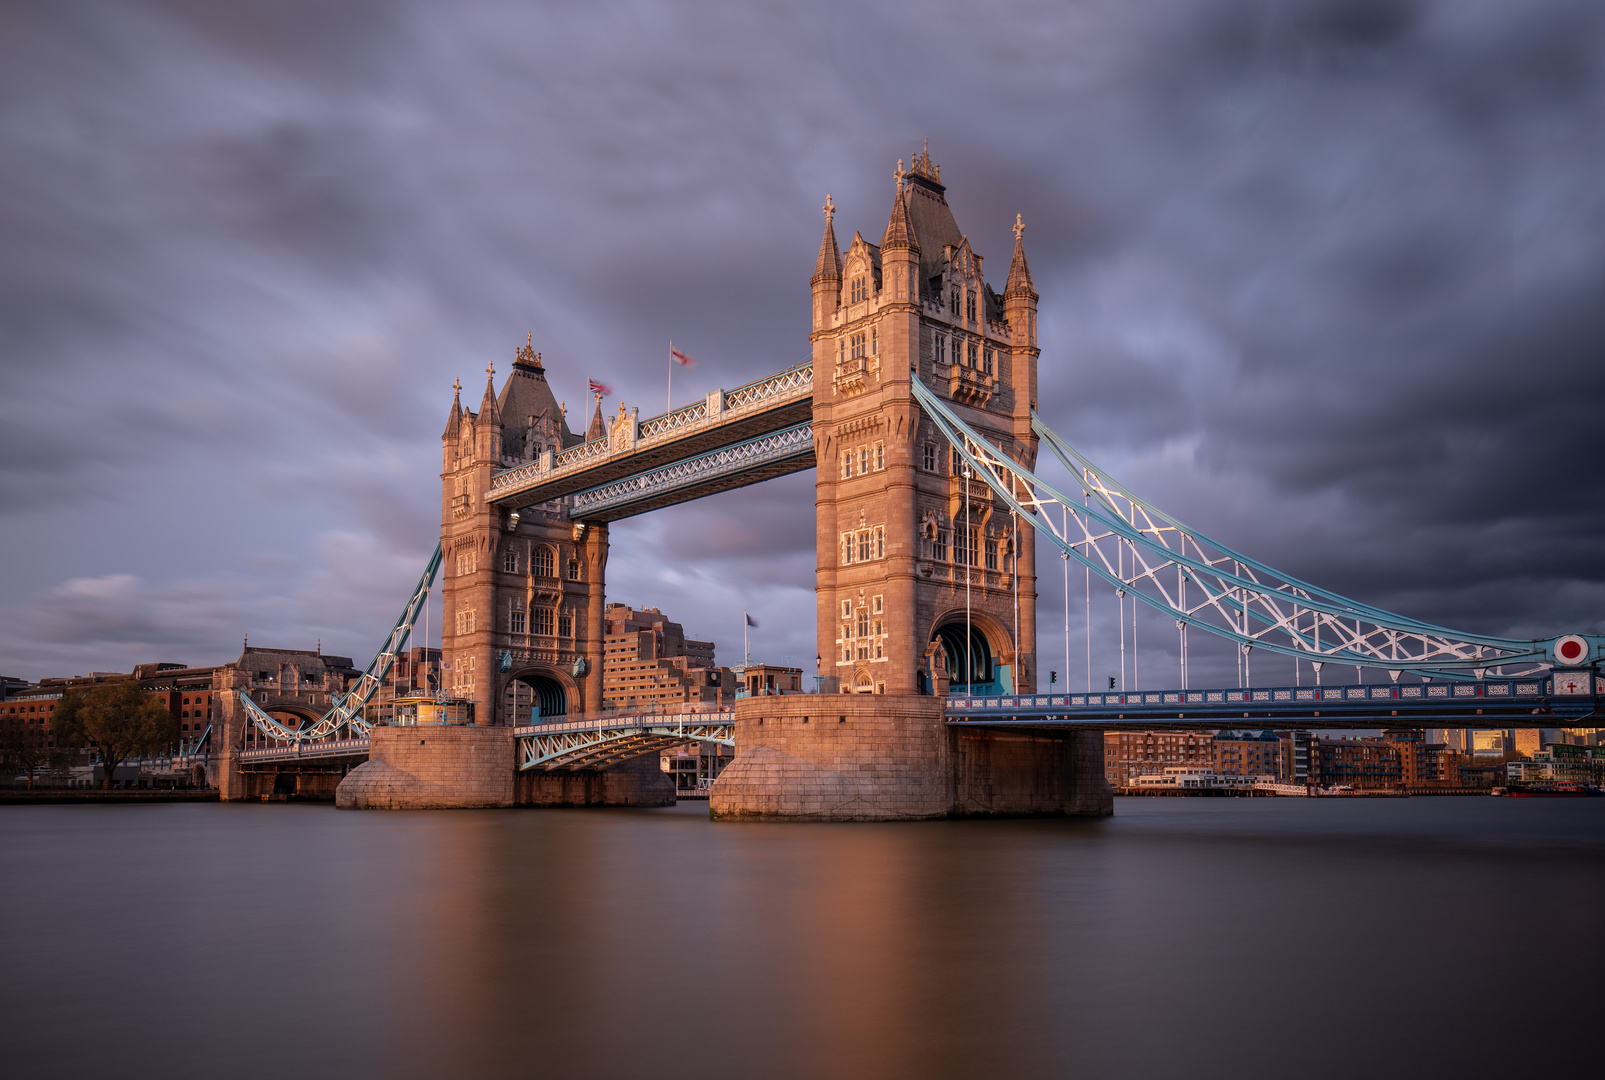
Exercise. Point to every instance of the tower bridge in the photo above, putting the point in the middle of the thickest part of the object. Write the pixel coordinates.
(917, 409)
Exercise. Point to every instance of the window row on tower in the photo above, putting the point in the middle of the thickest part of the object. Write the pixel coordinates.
(863, 459)
(965, 352)
(863, 545)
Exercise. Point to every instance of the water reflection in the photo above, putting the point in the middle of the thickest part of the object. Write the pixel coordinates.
(1212, 937)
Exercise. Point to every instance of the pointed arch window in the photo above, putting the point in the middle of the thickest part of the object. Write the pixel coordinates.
(541, 562)
(969, 305)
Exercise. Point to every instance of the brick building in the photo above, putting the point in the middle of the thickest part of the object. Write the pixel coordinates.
(1130, 754)
(649, 663)
(1363, 764)
(1247, 753)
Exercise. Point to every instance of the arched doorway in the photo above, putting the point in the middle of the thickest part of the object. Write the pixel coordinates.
(532, 697)
(971, 658)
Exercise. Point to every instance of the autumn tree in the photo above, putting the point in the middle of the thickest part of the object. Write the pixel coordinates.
(118, 719)
(24, 746)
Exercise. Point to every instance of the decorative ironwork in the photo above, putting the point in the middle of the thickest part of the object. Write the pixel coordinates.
(787, 387)
(600, 743)
(727, 461)
(347, 710)
(1480, 703)
(676, 421)
(1132, 545)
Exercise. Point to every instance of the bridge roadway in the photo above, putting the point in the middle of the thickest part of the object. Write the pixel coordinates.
(605, 741)
(727, 440)
(1487, 703)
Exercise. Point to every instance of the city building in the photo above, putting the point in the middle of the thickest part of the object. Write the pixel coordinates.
(1130, 754)
(649, 663)
(759, 679)
(1362, 764)
(1247, 753)
(1294, 757)
(1559, 763)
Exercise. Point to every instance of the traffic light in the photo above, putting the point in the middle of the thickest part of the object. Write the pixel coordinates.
(1053, 677)
(1111, 682)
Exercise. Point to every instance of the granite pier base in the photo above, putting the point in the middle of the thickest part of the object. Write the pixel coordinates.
(864, 757)
(444, 767)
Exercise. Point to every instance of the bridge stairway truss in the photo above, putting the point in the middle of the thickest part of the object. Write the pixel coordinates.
(346, 713)
(599, 744)
(1133, 546)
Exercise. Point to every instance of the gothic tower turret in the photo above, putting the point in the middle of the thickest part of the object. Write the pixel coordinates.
(921, 572)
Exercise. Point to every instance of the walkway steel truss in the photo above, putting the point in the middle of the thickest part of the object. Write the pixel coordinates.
(723, 418)
(1489, 703)
(786, 451)
(347, 710)
(1133, 546)
(599, 744)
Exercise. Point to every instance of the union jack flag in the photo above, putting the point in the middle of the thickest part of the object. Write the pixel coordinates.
(600, 388)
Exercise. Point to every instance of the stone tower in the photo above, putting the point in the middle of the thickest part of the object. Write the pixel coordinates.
(921, 571)
(522, 622)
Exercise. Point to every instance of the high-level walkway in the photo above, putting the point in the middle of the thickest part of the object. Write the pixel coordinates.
(727, 440)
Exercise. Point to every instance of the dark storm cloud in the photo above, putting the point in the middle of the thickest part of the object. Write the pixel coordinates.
(1321, 278)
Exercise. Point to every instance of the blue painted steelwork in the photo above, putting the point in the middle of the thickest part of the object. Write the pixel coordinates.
(308, 751)
(347, 710)
(1496, 703)
(712, 470)
(1131, 545)
(600, 743)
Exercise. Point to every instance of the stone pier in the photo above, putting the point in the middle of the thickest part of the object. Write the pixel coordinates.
(872, 757)
(448, 767)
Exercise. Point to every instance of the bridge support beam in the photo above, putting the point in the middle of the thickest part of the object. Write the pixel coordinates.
(873, 757)
(450, 768)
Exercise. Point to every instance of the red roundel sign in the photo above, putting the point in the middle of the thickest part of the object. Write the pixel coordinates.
(1571, 649)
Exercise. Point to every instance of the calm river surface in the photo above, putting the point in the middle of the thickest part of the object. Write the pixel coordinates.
(1183, 937)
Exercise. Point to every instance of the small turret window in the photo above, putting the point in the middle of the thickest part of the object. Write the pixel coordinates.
(986, 361)
(969, 305)
(940, 349)
(510, 562)
(970, 359)
(953, 302)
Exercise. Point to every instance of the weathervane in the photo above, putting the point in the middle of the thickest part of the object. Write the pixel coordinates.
(830, 210)
(1019, 227)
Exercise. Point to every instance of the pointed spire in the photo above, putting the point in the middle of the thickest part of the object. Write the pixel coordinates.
(828, 267)
(900, 229)
(1019, 283)
(487, 407)
(598, 429)
(454, 422)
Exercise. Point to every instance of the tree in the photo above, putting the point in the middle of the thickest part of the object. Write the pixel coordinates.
(23, 746)
(118, 719)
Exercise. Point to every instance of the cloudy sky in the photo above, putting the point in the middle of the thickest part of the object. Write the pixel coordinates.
(1325, 278)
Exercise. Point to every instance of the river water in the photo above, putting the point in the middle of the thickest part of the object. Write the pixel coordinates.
(1183, 937)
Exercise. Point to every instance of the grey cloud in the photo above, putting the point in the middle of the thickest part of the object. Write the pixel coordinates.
(1319, 277)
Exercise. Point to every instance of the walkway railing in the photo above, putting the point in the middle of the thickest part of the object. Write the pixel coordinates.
(1529, 702)
(720, 407)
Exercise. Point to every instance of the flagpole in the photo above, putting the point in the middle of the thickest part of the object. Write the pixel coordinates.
(746, 651)
(668, 399)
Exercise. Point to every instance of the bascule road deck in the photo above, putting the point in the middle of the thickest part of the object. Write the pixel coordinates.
(727, 440)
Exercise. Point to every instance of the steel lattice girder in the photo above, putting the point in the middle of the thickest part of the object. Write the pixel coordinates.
(776, 454)
(347, 709)
(598, 746)
(1128, 543)
(760, 408)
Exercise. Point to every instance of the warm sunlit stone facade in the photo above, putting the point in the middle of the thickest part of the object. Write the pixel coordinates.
(899, 526)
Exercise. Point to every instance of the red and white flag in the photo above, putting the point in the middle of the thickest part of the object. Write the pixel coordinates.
(600, 388)
(681, 358)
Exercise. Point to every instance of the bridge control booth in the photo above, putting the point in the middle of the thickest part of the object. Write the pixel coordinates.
(425, 710)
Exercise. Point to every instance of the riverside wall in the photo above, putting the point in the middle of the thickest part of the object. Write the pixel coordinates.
(870, 757)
